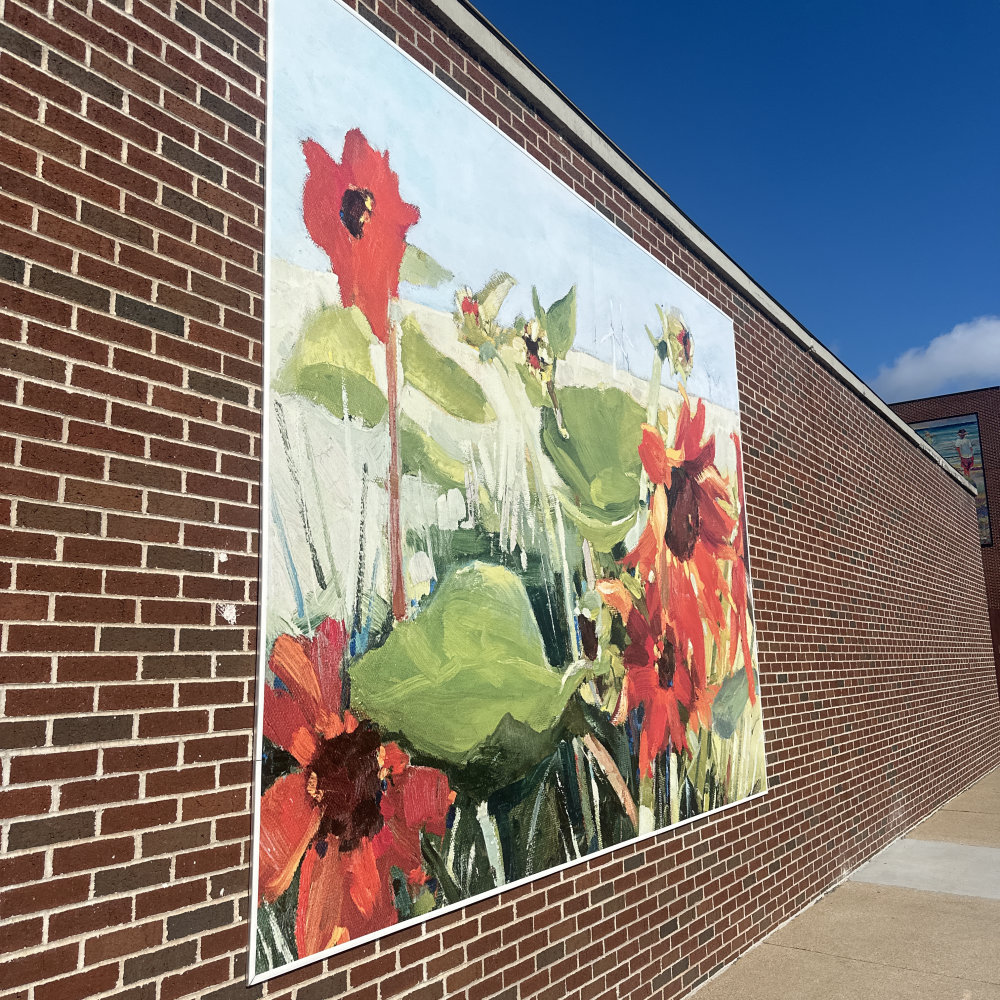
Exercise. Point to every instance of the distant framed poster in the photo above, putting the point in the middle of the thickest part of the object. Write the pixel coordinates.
(507, 620)
(956, 440)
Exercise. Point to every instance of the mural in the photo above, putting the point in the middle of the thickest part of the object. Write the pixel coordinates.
(956, 439)
(507, 619)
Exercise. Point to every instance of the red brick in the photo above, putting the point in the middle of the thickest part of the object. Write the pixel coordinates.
(53, 766)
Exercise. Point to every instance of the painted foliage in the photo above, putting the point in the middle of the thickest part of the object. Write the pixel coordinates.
(507, 615)
(956, 440)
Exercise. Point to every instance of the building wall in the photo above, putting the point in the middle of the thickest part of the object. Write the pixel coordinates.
(985, 403)
(130, 335)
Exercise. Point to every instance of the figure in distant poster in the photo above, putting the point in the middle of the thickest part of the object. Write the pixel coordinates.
(956, 439)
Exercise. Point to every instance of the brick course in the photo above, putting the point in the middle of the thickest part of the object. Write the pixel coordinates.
(131, 193)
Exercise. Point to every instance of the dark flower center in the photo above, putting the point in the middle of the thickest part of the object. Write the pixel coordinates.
(356, 209)
(686, 346)
(666, 665)
(588, 636)
(683, 516)
(344, 781)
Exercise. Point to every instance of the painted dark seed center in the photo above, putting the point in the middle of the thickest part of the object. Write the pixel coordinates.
(666, 665)
(683, 516)
(686, 345)
(344, 781)
(356, 209)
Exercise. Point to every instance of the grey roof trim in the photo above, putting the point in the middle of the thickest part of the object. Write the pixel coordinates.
(513, 67)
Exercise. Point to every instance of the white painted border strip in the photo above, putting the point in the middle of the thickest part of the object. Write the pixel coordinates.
(469, 24)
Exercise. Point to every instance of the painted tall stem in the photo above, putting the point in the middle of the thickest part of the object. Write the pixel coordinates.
(395, 533)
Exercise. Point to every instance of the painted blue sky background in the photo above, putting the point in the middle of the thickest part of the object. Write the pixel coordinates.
(485, 205)
(845, 153)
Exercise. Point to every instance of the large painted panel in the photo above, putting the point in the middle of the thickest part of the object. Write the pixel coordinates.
(507, 620)
(956, 440)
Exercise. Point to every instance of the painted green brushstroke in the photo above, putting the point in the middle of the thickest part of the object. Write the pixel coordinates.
(420, 268)
(421, 453)
(729, 704)
(599, 460)
(558, 321)
(332, 362)
(446, 680)
(440, 378)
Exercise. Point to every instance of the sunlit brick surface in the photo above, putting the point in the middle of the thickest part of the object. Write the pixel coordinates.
(985, 403)
(131, 199)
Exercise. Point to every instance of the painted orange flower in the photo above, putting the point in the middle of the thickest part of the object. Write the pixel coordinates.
(689, 531)
(352, 813)
(354, 212)
(658, 675)
(740, 583)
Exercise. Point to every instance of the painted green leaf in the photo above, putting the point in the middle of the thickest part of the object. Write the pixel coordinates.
(602, 533)
(420, 453)
(599, 461)
(491, 296)
(539, 310)
(420, 268)
(446, 680)
(560, 323)
(730, 701)
(332, 363)
(442, 380)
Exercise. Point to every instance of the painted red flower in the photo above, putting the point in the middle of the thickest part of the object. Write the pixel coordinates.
(354, 810)
(689, 531)
(353, 211)
(740, 585)
(658, 675)
(470, 307)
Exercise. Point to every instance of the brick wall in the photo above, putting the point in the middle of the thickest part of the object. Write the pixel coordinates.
(985, 403)
(131, 152)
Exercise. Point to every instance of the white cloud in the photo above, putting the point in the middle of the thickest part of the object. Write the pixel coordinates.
(966, 357)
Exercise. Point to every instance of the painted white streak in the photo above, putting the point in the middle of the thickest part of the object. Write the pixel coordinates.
(491, 837)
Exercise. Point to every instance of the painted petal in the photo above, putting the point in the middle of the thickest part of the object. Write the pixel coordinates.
(288, 821)
(697, 428)
(370, 903)
(678, 734)
(419, 799)
(294, 669)
(427, 798)
(286, 726)
(683, 688)
(394, 760)
(396, 845)
(702, 457)
(318, 922)
(326, 650)
(654, 731)
(616, 595)
(639, 652)
(653, 453)
(737, 617)
(686, 616)
(711, 589)
(659, 513)
(716, 523)
(650, 543)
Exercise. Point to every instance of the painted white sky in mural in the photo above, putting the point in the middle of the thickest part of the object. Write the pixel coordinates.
(484, 204)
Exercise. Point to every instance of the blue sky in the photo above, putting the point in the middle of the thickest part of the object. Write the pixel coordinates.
(485, 205)
(846, 154)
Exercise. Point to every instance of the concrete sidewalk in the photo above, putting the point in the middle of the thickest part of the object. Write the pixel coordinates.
(921, 919)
